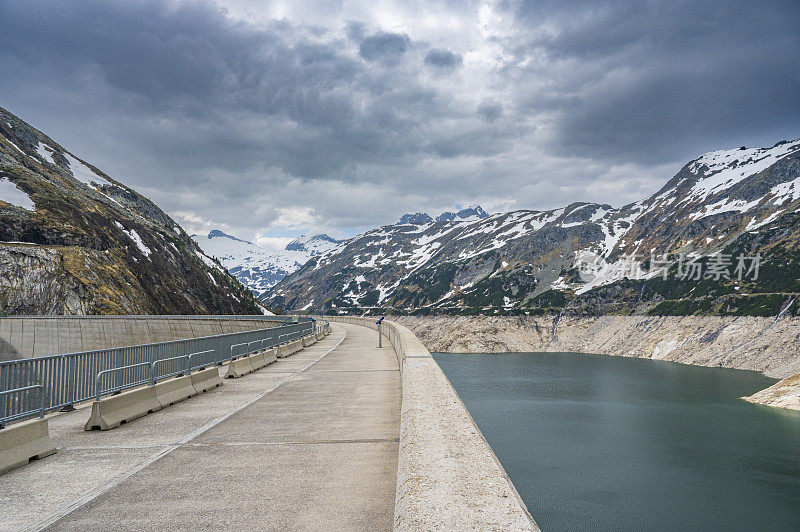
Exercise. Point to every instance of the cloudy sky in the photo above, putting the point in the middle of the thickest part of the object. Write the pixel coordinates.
(268, 119)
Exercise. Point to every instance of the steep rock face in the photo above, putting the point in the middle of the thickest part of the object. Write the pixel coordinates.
(730, 202)
(75, 241)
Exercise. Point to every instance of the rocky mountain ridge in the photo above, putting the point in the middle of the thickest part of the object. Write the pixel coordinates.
(731, 204)
(259, 268)
(75, 241)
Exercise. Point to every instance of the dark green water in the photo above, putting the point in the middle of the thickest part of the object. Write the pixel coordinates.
(611, 443)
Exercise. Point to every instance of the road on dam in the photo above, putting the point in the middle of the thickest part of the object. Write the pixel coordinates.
(308, 442)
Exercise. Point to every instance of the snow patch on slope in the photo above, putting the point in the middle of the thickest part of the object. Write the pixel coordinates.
(724, 168)
(133, 235)
(46, 153)
(83, 173)
(14, 196)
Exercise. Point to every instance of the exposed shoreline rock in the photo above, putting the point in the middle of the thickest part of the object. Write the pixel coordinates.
(782, 394)
(752, 343)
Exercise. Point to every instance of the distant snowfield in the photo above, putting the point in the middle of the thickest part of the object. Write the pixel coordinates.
(256, 267)
(11, 194)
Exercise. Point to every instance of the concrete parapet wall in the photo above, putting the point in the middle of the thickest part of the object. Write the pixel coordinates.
(25, 337)
(448, 477)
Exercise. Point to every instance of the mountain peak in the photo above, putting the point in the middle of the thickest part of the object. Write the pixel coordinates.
(473, 212)
(417, 218)
(314, 243)
(216, 233)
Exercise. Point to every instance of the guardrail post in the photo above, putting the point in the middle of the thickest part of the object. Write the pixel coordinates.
(71, 376)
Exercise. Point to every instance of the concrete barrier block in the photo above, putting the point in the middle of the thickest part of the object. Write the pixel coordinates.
(270, 356)
(309, 340)
(239, 368)
(121, 408)
(284, 350)
(172, 391)
(319, 336)
(257, 361)
(22, 442)
(296, 346)
(206, 379)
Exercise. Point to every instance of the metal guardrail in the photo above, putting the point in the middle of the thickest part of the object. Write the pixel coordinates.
(21, 407)
(67, 379)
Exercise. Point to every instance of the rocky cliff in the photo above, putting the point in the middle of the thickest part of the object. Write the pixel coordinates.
(75, 241)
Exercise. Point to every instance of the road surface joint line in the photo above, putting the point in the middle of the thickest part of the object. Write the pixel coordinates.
(118, 479)
(232, 444)
(351, 370)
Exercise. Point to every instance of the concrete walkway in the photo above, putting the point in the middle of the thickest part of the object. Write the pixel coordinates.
(309, 442)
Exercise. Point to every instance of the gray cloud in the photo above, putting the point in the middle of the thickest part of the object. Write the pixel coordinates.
(646, 81)
(384, 46)
(442, 58)
(490, 111)
(231, 118)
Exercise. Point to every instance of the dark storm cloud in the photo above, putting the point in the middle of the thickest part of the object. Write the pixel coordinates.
(643, 81)
(441, 58)
(218, 115)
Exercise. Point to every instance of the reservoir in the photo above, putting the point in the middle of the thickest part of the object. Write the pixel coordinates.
(614, 443)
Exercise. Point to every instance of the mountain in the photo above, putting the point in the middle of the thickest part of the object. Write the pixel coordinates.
(75, 241)
(469, 214)
(417, 218)
(258, 268)
(585, 257)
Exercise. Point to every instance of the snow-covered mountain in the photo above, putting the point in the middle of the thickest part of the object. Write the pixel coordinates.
(724, 201)
(256, 267)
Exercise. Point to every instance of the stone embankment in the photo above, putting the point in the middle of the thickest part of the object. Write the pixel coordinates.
(760, 344)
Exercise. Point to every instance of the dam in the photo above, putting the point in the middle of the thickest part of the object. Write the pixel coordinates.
(336, 433)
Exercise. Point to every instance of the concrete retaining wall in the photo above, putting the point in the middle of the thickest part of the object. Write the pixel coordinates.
(25, 337)
(448, 477)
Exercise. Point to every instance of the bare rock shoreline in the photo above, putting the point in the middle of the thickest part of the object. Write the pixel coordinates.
(761, 344)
